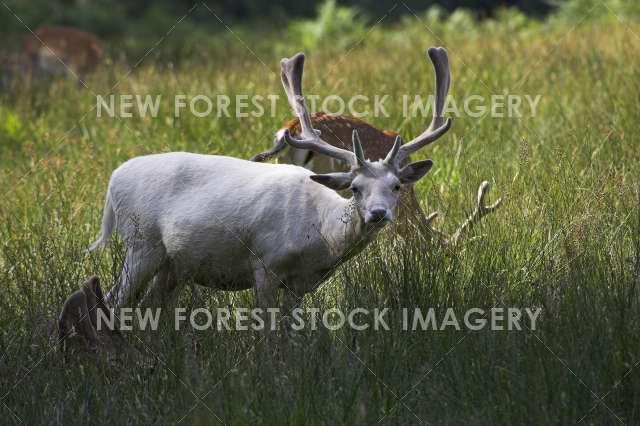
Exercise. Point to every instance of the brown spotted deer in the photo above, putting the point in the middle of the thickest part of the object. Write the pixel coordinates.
(55, 51)
(336, 131)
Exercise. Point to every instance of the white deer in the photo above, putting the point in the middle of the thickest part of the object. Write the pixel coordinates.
(233, 224)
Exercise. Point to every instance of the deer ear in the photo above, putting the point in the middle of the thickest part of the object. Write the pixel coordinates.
(415, 171)
(336, 181)
(94, 284)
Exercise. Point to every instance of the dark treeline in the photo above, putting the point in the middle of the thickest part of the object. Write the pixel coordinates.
(242, 9)
(113, 17)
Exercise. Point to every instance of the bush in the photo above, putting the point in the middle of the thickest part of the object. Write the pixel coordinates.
(335, 27)
(11, 129)
(578, 10)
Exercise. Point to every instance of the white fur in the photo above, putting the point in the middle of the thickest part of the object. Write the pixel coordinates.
(226, 223)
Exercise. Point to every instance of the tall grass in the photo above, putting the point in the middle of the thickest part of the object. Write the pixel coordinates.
(567, 239)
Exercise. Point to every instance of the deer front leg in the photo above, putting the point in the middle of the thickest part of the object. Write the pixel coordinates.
(290, 301)
(140, 266)
(265, 292)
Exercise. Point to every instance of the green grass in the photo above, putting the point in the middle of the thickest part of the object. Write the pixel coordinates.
(567, 239)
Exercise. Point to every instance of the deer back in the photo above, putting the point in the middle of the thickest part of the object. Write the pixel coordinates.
(336, 130)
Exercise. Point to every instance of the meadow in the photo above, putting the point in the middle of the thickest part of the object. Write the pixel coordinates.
(566, 239)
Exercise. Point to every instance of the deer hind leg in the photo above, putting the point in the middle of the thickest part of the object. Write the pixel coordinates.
(140, 265)
(163, 293)
(164, 289)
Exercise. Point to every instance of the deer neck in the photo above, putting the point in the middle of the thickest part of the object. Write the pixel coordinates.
(344, 231)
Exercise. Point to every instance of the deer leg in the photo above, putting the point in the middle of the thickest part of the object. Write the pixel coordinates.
(164, 289)
(265, 292)
(290, 301)
(141, 264)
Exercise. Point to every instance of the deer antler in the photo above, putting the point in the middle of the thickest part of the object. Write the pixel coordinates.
(439, 125)
(480, 211)
(291, 75)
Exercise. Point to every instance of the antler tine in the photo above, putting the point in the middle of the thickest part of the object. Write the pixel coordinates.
(291, 75)
(480, 211)
(439, 125)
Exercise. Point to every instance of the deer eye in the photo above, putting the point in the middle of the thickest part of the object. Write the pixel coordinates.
(396, 187)
(355, 189)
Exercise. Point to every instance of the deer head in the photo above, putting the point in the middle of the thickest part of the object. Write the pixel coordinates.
(375, 184)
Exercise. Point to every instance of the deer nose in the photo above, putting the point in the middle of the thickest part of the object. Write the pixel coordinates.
(377, 216)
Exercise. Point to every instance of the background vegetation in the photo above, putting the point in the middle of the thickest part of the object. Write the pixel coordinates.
(567, 238)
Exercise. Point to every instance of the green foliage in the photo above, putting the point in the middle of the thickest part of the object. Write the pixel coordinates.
(335, 27)
(579, 10)
(11, 129)
(510, 20)
(460, 21)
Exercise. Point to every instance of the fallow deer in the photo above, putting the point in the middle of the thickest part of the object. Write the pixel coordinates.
(233, 224)
(56, 51)
(336, 131)
(79, 313)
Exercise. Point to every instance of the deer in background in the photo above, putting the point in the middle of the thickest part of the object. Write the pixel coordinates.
(233, 224)
(336, 131)
(52, 52)
(56, 51)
